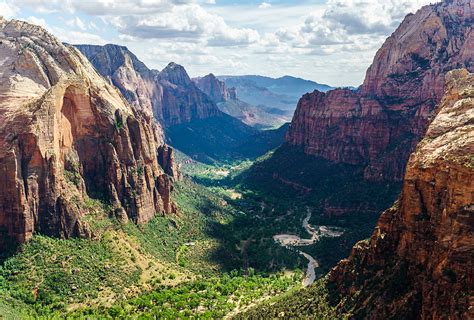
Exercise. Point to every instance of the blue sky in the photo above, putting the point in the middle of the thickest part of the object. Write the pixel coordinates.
(328, 41)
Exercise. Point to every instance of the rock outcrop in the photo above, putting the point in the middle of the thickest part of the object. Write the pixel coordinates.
(182, 101)
(169, 95)
(215, 89)
(378, 125)
(418, 262)
(228, 102)
(167, 161)
(66, 134)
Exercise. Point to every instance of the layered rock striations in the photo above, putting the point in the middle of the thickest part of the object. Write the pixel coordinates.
(169, 95)
(378, 125)
(66, 134)
(418, 262)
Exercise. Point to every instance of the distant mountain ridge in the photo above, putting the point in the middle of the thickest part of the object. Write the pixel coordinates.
(294, 86)
(281, 93)
(228, 102)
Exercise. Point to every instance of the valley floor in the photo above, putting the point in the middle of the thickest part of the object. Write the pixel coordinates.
(231, 247)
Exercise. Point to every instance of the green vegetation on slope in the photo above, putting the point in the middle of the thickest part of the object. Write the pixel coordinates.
(53, 277)
(226, 222)
(49, 274)
(308, 303)
(210, 298)
(223, 140)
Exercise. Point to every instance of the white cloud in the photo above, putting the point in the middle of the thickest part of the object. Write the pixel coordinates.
(369, 17)
(185, 21)
(69, 36)
(38, 21)
(75, 37)
(152, 19)
(76, 22)
(299, 38)
(345, 22)
(101, 7)
(7, 10)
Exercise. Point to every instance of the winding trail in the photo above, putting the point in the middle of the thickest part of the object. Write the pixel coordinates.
(290, 241)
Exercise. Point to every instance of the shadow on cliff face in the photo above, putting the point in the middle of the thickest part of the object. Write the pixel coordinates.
(9, 249)
(334, 188)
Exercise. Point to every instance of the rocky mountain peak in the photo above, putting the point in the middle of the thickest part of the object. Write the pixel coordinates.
(175, 74)
(109, 58)
(379, 125)
(215, 88)
(169, 96)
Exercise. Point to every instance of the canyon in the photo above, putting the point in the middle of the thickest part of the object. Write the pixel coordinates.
(129, 192)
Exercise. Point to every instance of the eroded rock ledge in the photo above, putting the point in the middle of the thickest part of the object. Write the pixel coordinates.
(418, 262)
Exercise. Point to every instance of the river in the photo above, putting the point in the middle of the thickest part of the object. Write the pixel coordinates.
(290, 241)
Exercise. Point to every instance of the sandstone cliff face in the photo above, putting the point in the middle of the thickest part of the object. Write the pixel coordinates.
(379, 125)
(182, 101)
(123, 69)
(169, 95)
(66, 134)
(418, 262)
(215, 88)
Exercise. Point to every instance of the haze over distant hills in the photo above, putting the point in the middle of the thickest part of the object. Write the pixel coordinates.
(228, 101)
(282, 93)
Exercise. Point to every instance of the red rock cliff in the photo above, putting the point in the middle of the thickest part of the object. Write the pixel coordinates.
(66, 134)
(418, 263)
(379, 125)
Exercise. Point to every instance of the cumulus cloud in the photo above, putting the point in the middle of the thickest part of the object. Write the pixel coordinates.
(100, 7)
(7, 10)
(154, 19)
(75, 37)
(76, 22)
(300, 38)
(38, 21)
(185, 21)
(346, 22)
(369, 17)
